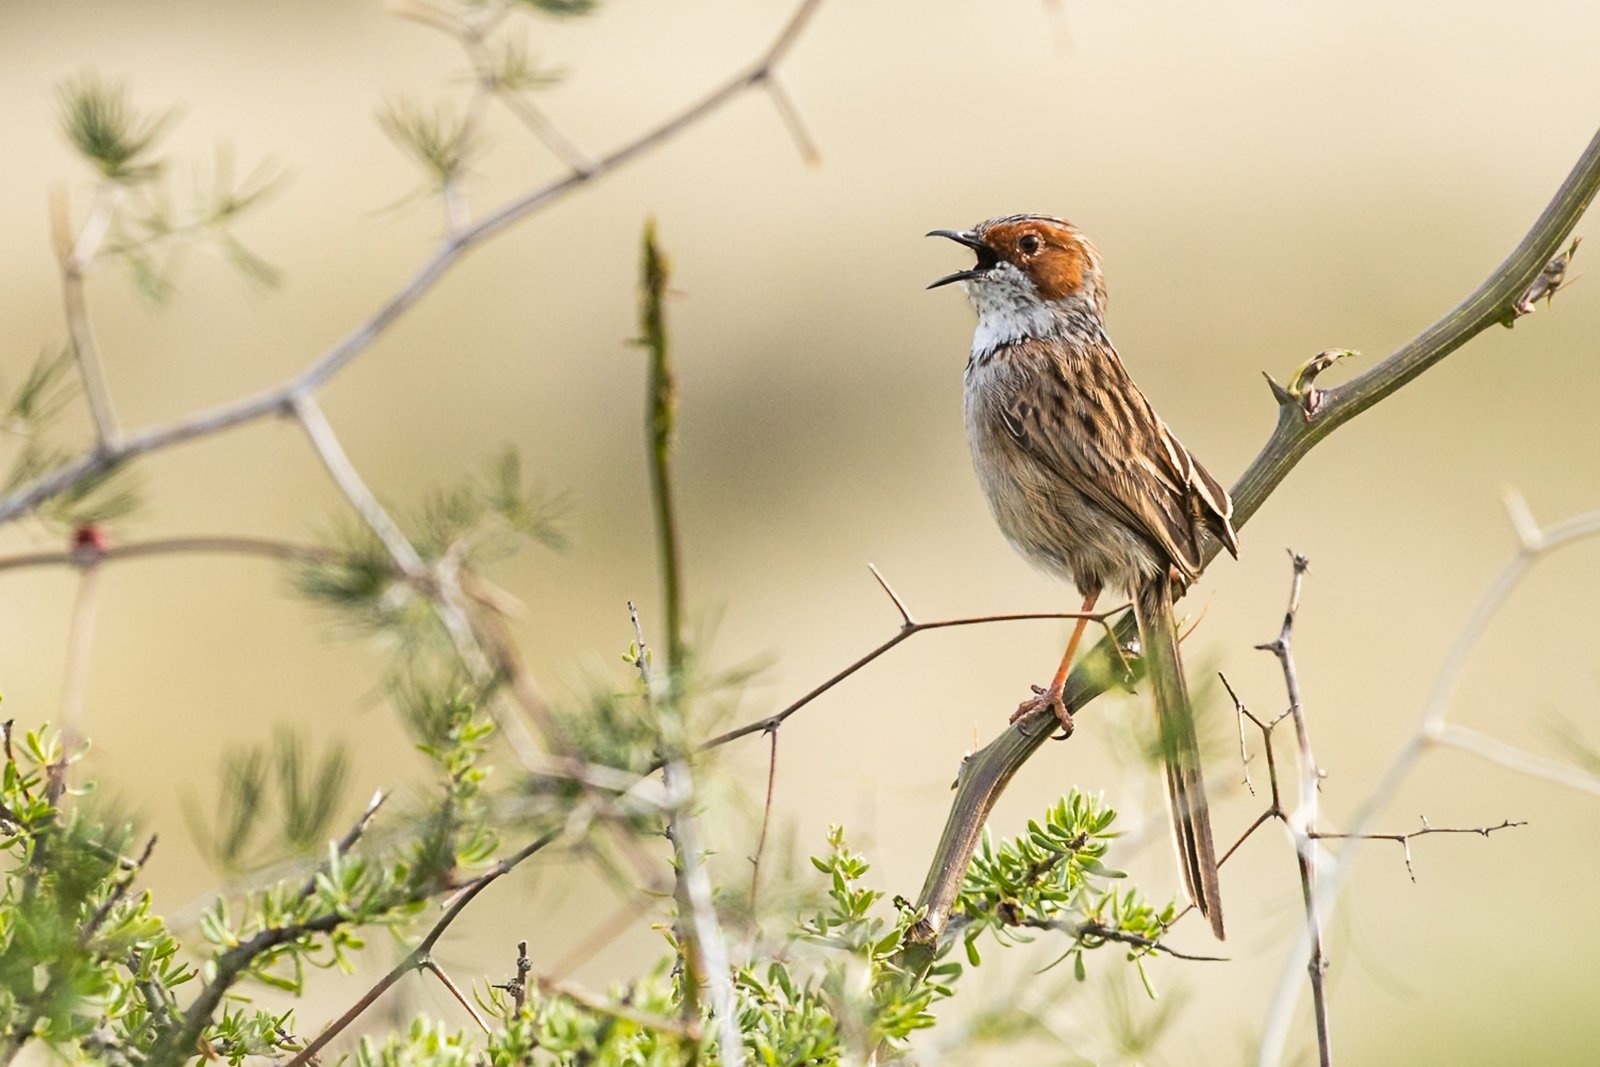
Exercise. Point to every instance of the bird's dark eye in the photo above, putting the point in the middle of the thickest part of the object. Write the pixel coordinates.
(1028, 243)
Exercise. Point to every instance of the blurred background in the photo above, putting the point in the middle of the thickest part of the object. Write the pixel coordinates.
(1263, 182)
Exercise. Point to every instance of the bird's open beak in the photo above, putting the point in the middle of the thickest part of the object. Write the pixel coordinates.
(986, 258)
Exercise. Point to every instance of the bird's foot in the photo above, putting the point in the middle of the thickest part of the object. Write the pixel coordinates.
(1045, 698)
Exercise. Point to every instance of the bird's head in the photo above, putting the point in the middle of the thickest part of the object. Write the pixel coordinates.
(1028, 264)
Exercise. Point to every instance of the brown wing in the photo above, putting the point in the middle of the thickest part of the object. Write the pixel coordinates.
(1089, 424)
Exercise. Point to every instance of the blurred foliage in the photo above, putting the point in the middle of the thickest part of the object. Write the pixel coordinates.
(307, 794)
(32, 409)
(440, 140)
(100, 121)
(483, 520)
(135, 221)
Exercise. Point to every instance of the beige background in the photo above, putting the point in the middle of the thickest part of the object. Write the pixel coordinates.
(1263, 180)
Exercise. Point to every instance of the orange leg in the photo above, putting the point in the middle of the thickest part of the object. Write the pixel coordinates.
(1052, 696)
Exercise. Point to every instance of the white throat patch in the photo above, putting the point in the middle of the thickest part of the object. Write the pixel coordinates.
(1009, 310)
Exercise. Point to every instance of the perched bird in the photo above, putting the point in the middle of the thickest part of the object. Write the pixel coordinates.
(1086, 481)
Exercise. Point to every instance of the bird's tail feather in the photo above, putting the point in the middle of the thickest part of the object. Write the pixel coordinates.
(1180, 749)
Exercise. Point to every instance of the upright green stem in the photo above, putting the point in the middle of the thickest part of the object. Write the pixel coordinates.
(661, 423)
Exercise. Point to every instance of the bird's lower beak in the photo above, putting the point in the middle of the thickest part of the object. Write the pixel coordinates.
(985, 256)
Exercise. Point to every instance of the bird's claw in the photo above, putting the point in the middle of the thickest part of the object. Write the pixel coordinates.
(1045, 698)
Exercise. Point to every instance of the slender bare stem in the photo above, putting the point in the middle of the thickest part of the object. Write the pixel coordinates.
(80, 642)
(326, 444)
(283, 551)
(343, 846)
(766, 818)
(75, 257)
(1404, 840)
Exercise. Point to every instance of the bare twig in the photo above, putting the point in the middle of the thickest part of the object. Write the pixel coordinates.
(766, 818)
(1496, 751)
(1404, 840)
(273, 401)
(517, 986)
(283, 551)
(332, 454)
(789, 111)
(1097, 932)
(1239, 714)
(75, 257)
(907, 630)
(119, 889)
(80, 642)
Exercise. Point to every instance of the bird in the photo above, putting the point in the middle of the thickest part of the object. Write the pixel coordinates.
(1086, 481)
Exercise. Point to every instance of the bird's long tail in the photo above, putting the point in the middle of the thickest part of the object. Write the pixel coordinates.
(1180, 749)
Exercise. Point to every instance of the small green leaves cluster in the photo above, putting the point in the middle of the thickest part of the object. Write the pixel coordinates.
(1054, 877)
(873, 999)
(83, 961)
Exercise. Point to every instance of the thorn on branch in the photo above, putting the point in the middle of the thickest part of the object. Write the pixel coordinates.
(1551, 280)
(900, 605)
(789, 112)
(1239, 713)
(428, 964)
(1301, 389)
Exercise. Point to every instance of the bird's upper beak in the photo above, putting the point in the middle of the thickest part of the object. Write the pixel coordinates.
(986, 256)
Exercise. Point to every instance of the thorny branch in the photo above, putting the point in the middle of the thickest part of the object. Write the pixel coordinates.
(1434, 730)
(1404, 840)
(909, 628)
(1304, 817)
